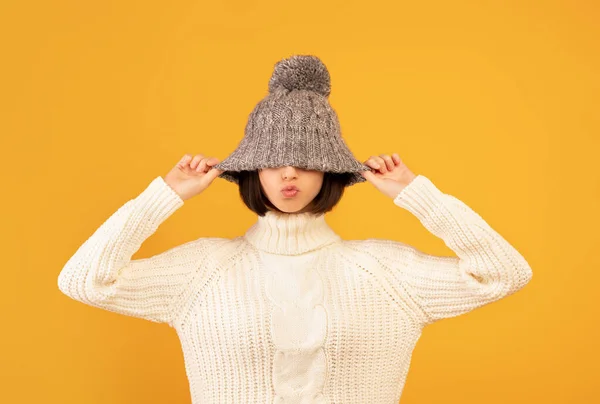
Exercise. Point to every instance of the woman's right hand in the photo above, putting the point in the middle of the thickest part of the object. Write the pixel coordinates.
(192, 175)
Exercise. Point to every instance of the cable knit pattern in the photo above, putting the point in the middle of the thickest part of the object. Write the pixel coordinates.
(289, 312)
(298, 330)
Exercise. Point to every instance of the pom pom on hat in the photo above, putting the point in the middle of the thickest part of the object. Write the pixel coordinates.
(301, 72)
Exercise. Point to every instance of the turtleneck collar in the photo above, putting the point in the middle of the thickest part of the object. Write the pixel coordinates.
(290, 233)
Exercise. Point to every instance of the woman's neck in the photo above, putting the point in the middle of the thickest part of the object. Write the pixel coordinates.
(290, 233)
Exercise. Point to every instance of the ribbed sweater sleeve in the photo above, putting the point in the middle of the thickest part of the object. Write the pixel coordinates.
(486, 267)
(101, 273)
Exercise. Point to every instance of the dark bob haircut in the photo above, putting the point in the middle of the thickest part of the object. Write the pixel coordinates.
(254, 197)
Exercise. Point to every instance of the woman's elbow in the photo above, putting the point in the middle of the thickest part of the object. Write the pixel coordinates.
(520, 274)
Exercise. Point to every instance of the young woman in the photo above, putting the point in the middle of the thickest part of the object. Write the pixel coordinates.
(290, 312)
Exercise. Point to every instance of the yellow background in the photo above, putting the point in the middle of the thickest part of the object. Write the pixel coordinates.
(498, 104)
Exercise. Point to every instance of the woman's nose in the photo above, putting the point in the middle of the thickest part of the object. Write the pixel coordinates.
(289, 171)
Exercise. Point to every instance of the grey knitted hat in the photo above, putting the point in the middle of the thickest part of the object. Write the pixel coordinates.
(294, 125)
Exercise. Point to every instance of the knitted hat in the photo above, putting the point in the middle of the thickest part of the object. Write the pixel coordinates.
(294, 125)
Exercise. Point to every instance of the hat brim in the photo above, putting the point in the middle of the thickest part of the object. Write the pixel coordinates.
(232, 167)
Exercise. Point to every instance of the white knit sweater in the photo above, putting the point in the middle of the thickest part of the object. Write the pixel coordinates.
(290, 312)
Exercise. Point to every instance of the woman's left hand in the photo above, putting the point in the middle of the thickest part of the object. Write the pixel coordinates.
(390, 174)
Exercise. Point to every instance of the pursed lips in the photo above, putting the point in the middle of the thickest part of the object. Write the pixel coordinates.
(290, 188)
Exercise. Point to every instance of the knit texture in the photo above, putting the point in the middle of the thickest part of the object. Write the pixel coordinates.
(294, 125)
(290, 312)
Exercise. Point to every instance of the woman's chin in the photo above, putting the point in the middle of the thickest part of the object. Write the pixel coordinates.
(291, 207)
